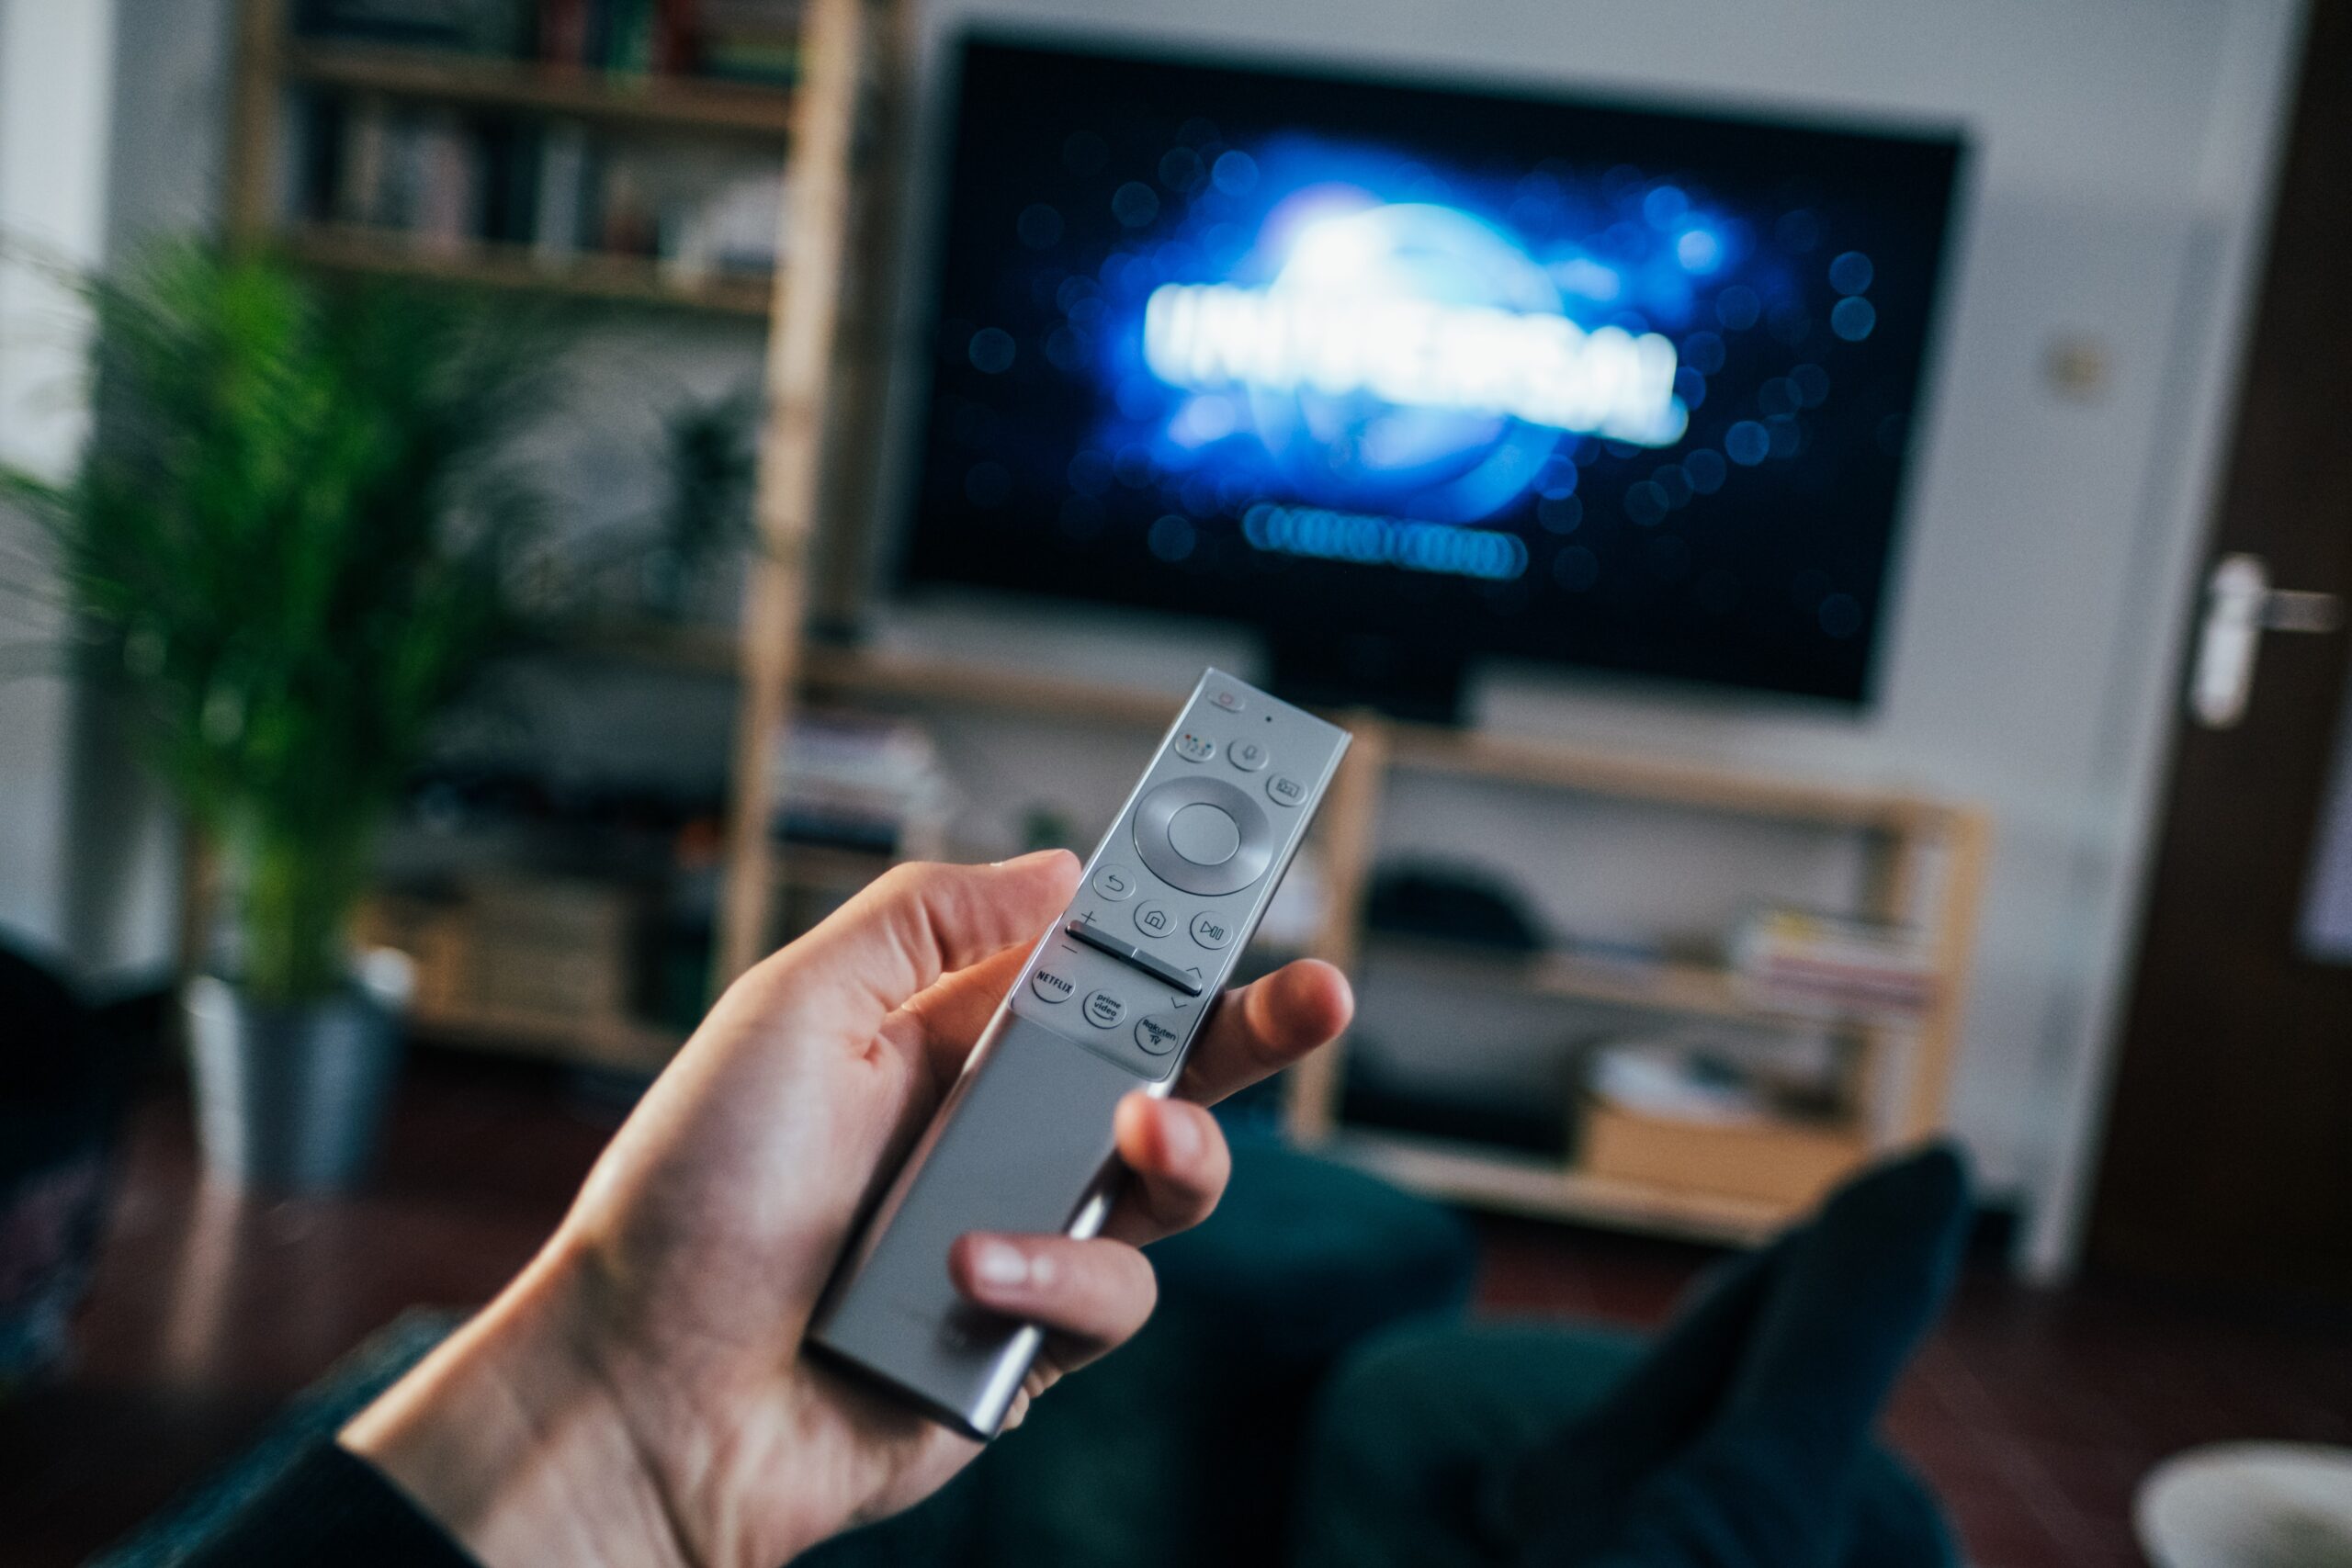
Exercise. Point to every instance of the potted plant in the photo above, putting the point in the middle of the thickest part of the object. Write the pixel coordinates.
(289, 541)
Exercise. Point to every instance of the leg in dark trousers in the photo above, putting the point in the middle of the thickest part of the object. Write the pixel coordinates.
(1739, 1437)
(1770, 1480)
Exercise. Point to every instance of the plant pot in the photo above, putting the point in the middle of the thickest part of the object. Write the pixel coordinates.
(289, 1098)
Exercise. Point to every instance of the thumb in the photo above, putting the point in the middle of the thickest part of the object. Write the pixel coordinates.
(919, 921)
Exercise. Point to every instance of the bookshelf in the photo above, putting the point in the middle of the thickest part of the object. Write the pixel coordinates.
(512, 220)
(837, 125)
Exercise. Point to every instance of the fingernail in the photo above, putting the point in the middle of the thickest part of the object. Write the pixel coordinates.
(1180, 1136)
(1001, 1264)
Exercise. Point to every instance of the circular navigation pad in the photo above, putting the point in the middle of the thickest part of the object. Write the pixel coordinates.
(1203, 836)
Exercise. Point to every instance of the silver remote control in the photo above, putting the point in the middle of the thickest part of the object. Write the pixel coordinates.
(1111, 1000)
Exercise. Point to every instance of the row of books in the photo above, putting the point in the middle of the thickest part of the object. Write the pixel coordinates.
(1812, 963)
(862, 782)
(451, 180)
(746, 40)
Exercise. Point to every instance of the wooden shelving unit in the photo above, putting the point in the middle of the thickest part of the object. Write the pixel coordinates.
(617, 1045)
(1925, 862)
(272, 63)
(840, 128)
(1925, 866)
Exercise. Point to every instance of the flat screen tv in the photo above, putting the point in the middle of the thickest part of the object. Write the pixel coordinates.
(1404, 374)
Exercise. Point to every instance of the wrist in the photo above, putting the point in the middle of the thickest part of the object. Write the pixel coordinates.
(511, 1438)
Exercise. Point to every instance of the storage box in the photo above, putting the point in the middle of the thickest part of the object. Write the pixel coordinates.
(550, 950)
(1776, 1161)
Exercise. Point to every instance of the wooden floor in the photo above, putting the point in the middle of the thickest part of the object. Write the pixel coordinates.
(2033, 1414)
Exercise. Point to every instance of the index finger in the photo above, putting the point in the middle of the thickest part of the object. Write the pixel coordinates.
(1265, 1026)
(917, 923)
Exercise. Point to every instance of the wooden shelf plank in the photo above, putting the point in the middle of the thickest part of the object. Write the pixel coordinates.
(624, 1044)
(1704, 990)
(629, 280)
(707, 650)
(674, 103)
(1411, 746)
(1520, 1184)
(1515, 759)
(839, 672)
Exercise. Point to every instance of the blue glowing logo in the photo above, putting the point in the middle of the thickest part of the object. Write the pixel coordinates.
(1407, 350)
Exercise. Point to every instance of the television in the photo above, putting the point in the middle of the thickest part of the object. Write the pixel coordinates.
(1405, 374)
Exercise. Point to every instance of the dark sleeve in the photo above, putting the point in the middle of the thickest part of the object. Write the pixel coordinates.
(330, 1506)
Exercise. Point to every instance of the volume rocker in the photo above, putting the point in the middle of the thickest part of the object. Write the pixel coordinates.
(1158, 968)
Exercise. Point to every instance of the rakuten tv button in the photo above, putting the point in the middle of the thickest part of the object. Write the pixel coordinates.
(1158, 1035)
(1051, 987)
(1103, 1010)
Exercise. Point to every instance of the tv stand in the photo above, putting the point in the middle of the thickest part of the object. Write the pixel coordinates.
(1919, 864)
(1404, 679)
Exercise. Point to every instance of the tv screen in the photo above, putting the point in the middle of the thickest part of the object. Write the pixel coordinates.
(1432, 371)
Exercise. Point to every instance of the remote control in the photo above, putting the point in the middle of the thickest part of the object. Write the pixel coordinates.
(1110, 1001)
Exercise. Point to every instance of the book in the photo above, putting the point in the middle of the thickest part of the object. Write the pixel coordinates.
(510, 156)
(861, 782)
(474, 26)
(448, 186)
(563, 31)
(1828, 964)
(749, 40)
(314, 157)
(562, 194)
(674, 23)
(366, 149)
(628, 45)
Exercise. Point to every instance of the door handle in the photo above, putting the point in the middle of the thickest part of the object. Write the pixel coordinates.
(2240, 605)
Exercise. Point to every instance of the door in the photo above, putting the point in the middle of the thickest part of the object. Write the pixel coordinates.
(2228, 1157)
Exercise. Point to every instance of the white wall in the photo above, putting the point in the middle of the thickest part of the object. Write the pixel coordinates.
(56, 70)
(2122, 151)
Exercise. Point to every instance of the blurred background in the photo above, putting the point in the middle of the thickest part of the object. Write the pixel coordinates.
(1828, 521)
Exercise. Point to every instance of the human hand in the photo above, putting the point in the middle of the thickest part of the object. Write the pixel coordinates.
(637, 1395)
